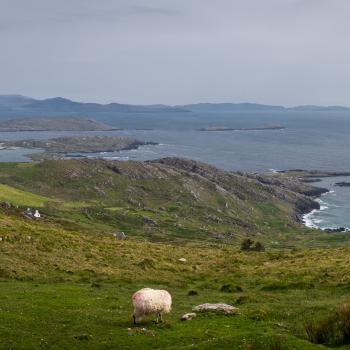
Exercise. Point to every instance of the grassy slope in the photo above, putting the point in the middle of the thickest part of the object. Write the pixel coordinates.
(66, 286)
(63, 289)
(187, 203)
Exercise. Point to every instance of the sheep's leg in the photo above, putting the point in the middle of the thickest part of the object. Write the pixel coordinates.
(157, 318)
(161, 317)
(133, 316)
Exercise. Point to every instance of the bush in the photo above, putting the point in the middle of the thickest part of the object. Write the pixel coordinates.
(229, 288)
(248, 244)
(332, 330)
(192, 292)
(146, 263)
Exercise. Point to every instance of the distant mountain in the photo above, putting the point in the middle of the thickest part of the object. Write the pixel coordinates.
(28, 106)
(311, 108)
(255, 107)
(17, 106)
(15, 101)
(53, 124)
(231, 107)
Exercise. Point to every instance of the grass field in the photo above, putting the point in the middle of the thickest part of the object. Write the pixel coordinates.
(66, 282)
(22, 198)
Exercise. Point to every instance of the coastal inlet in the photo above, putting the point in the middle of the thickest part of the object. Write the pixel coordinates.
(334, 212)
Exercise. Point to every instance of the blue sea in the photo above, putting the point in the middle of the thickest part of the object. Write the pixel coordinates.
(310, 140)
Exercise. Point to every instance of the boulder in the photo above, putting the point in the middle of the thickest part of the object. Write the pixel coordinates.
(119, 235)
(6, 205)
(149, 221)
(219, 307)
(189, 316)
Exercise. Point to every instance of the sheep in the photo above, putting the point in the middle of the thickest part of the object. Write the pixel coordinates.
(149, 301)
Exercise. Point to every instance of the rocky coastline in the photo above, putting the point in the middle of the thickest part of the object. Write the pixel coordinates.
(59, 148)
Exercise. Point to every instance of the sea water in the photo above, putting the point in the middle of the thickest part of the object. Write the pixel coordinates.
(310, 141)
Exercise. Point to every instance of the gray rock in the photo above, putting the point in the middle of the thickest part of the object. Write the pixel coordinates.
(6, 205)
(148, 220)
(219, 307)
(189, 316)
(119, 235)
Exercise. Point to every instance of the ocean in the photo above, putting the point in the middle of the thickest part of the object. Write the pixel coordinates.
(310, 140)
(334, 205)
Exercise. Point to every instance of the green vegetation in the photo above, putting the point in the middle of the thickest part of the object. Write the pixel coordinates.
(53, 124)
(23, 198)
(66, 282)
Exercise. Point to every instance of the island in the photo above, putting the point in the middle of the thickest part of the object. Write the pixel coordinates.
(58, 148)
(225, 128)
(342, 184)
(54, 124)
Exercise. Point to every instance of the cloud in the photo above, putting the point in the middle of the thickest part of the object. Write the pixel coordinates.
(273, 51)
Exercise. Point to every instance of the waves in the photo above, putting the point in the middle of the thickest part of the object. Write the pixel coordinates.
(334, 212)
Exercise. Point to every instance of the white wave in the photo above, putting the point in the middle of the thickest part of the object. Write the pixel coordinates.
(308, 220)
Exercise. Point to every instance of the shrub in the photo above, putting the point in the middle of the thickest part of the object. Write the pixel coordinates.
(229, 288)
(259, 247)
(248, 244)
(332, 330)
(146, 263)
(192, 292)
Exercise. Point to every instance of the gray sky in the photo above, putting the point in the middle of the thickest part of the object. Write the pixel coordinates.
(177, 51)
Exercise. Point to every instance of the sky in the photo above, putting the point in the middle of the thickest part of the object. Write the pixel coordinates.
(282, 52)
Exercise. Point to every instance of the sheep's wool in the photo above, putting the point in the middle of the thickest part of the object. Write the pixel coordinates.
(151, 301)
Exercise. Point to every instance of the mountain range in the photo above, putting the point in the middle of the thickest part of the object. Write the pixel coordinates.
(23, 106)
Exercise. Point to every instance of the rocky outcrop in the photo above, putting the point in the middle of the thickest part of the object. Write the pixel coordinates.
(219, 307)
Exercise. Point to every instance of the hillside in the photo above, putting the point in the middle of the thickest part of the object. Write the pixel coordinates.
(53, 124)
(186, 199)
(66, 280)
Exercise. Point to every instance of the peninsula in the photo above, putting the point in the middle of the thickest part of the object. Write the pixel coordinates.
(57, 148)
(53, 124)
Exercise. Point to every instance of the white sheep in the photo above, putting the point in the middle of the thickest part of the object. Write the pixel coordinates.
(149, 301)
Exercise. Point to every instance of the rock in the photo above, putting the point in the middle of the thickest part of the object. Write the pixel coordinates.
(183, 260)
(148, 220)
(30, 214)
(6, 205)
(217, 235)
(119, 235)
(338, 229)
(219, 307)
(189, 316)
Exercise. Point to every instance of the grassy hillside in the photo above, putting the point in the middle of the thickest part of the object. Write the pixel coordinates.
(167, 200)
(63, 289)
(66, 282)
